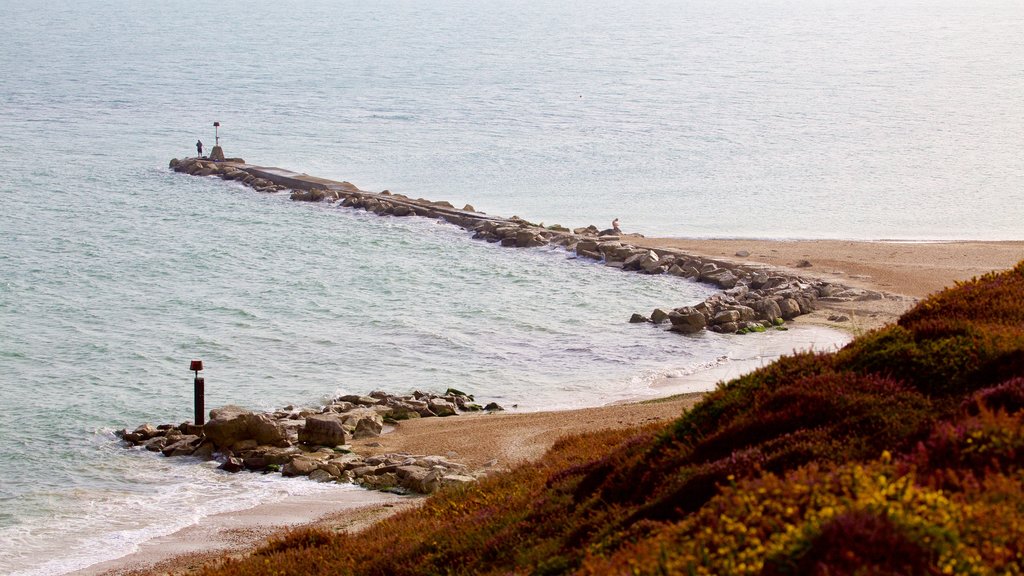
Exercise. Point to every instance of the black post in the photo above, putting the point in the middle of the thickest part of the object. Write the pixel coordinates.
(200, 393)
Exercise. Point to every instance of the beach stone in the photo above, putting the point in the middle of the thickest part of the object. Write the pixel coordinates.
(789, 308)
(687, 320)
(658, 316)
(727, 328)
(528, 239)
(379, 482)
(742, 253)
(227, 426)
(726, 279)
(324, 430)
(321, 476)
(767, 309)
(726, 316)
(142, 433)
(267, 431)
(650, 262)
(418, 479)
(155, 444)
(637, 318)
(441, 407)
(677, 270)
(181, 446)
(493, 407)
(758, 279)
(774, 282)
(363, 423)
(232, 464)
(300, 466)
(359, 400)
(205, 450)
(232, 424)
(457, 480)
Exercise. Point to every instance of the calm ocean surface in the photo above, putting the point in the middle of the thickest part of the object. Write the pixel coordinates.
(864, 120)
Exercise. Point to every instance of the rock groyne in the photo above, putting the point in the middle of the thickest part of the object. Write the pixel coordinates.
(315, 442)
(753, 298)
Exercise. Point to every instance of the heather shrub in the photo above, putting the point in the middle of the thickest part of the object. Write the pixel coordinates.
(903, 453)
(972, 447)
(1008, 396)
(995, 298)
(850, 519)
(954, 342)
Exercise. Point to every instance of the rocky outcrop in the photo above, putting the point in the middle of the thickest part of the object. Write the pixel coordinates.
(315, 442)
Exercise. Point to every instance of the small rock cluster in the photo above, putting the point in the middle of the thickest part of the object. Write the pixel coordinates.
(754, 299)
(314, 443)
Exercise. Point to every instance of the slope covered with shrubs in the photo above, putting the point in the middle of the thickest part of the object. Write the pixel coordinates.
(903, 453)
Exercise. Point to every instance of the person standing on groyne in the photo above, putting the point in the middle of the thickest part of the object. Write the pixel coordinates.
(199, 148)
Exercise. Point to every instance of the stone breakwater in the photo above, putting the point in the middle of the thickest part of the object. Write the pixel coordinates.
(754, 298)
(315, 442)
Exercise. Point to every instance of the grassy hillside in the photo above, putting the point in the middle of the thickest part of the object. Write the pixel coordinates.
(903, 453)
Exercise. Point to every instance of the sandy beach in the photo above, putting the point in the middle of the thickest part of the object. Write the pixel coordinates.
(904, 271)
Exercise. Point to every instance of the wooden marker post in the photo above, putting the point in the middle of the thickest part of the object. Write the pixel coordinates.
(199, 392)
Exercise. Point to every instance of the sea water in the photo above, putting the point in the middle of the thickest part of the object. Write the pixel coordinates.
(863, 120)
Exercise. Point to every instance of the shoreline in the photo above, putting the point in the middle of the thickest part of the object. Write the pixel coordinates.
(902, 272)
(504, 439)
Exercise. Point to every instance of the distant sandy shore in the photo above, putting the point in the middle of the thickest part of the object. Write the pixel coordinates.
(906, 271)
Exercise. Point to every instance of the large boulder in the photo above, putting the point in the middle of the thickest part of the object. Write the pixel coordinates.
(227, 426)
(687, 320)
(659, 316)
(789, 308)
(767, 309)
(726, 316)
(441, 407)
(324, 430)
(300, 466)
(363, 422)
(267, 431)
(232, 424)
(418, 479)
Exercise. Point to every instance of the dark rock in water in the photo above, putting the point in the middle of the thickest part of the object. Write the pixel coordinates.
(205, 450)
(658, 316)
(232, 464)
(638, 318)
(687, 320)
(494, 407)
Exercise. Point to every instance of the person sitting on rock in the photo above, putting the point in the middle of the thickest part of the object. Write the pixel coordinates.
(615, 226)
(199, 147)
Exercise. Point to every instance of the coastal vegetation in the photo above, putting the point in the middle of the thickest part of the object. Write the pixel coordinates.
(902, 453)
